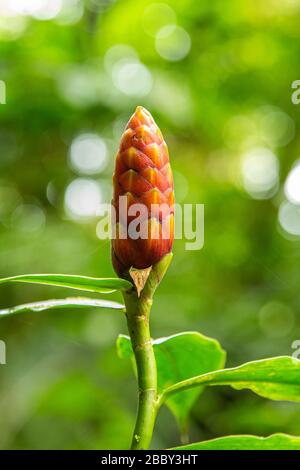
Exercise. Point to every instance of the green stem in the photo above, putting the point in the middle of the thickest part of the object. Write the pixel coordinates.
(138, 306)
(137, 312)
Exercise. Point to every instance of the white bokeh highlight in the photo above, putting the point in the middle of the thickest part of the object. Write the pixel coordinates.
(172, 43)
(292, 184)
(88, 154)
(289, 218)
(132, 78)
(82, 198)
(276, 127)
(260, 172)
(39, 9)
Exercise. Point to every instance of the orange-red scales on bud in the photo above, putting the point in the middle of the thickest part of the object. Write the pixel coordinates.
(145, 214)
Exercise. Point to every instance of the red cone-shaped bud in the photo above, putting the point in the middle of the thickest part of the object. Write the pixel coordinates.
(143, 196)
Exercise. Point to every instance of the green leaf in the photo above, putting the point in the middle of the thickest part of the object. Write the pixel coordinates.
(277, 378)
(91, 284)
(273, 442)
(69, 302)
(180, 357)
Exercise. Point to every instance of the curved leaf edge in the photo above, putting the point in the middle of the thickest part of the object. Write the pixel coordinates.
(69, 302)
(125, 338)
(84, 283)
(278, 441)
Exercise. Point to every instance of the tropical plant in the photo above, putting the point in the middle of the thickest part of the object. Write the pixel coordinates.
(171, 371)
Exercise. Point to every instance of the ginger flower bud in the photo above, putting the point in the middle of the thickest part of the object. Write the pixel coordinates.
(143, 196)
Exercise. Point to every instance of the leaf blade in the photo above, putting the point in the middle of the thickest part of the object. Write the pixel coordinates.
(275, 378)
(247, 442)
(69, 302)
(85, 283)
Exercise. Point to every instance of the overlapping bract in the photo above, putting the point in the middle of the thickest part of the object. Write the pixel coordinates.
(143, 176)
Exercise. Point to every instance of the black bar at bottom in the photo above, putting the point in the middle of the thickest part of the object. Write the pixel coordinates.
(133, 459)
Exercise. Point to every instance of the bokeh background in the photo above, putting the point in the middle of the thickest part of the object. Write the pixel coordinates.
(217, 78)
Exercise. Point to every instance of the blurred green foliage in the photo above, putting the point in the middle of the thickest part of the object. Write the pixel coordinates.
(217, 78)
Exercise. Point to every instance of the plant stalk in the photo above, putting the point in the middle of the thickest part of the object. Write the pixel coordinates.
(138, 306)
(137, 312)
